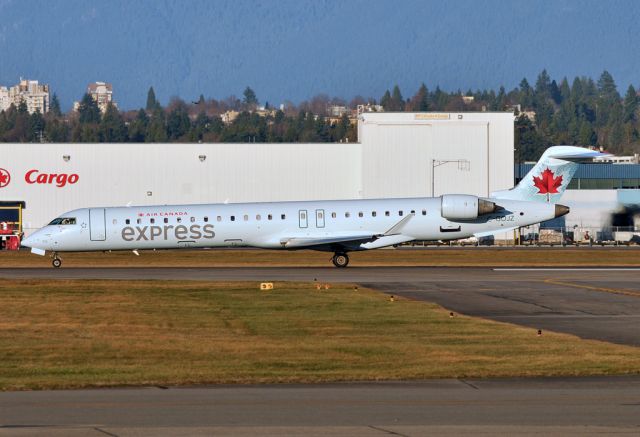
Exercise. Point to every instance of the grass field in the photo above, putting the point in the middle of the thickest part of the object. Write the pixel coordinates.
(67, 334)
(478, 257)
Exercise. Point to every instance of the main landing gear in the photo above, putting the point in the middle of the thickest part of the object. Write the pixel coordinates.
(340, 259)
(56, 262)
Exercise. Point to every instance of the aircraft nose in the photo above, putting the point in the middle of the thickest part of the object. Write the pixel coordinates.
(28, 242)
(562, 210)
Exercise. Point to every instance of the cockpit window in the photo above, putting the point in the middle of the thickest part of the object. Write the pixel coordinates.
(63, 221)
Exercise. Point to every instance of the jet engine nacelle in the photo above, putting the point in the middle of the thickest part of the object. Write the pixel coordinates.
(465, 207)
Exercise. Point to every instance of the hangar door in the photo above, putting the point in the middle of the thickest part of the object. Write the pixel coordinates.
(97, 224)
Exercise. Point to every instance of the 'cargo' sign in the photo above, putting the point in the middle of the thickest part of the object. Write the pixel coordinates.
(58, 179)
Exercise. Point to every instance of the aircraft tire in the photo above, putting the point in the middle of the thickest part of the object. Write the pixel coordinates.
(340, 260)
(56, 262)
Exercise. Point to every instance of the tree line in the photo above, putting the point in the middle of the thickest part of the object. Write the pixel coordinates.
(582, 111)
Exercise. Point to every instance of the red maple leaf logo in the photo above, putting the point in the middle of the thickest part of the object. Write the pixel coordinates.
(547, 183)
(5, 178)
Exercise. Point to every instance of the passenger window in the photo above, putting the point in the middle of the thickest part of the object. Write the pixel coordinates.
(386, 213)
(269, 217)
(424, 212)
(233, 218)
(258, 217)
(333, 215)
(373, 213)
(246, 217)
(400, 213)
(127, 221)
(115, 221)
(152, 221)
(219, 218)
(139, 221)
(360, 214)
(413, 211)
(166, 220)
(320, 215)
(282, 216)
(179, 220)
(193, 219)
(206, 219)
(303, 216)
(347, 215)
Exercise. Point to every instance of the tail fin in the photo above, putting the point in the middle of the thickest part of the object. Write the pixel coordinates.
(551, 175)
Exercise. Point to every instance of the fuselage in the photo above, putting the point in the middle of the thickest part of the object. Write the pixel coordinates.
(275, 225)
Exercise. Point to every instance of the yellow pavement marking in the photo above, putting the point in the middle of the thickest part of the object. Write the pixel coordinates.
(591, 287)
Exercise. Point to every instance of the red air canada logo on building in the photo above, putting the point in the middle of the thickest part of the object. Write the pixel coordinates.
(5, 178)
(547, 182)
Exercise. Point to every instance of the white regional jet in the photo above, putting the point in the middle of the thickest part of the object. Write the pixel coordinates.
(338, 226)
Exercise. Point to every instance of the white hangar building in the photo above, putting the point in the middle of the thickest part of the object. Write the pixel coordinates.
(399, 155)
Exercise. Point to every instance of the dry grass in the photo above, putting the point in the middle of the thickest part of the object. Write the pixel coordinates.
(99, 333)
(471, 257)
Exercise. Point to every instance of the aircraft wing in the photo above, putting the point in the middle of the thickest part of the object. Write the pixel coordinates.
(365, 240)
(300, 242)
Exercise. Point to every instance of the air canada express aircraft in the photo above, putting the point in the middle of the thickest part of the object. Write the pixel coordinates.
(338, 226)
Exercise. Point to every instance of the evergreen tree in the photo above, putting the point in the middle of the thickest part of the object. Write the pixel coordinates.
(249, 99)
(36, 127)
(55, 106)
(88, 110)
(526, 94)
(157, 132)
(421, 99)
(385, 101)
(152, 102)
(112, 128)
(397, 102)
(178, 122)
(630, 105)
(138, 127)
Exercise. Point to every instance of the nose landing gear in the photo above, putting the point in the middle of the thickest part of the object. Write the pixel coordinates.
(340, 260)
(56, 262)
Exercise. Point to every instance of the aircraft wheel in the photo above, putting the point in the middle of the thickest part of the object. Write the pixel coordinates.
(57, 262)
(340, 260)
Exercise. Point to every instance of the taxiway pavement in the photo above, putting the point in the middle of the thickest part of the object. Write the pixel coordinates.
(555, 406)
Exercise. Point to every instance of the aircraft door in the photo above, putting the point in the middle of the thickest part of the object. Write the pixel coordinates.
(319, 218)
(97, 224)
(303, 219)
